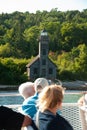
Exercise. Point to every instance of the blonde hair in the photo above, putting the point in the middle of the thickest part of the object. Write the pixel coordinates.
(50, 96)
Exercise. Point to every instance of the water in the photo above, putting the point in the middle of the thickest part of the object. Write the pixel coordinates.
(71, 98)
(11, 98)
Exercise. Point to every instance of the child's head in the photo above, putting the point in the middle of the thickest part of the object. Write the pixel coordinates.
(26, 89)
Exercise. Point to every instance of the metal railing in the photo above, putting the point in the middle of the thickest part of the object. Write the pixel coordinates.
(71, 112)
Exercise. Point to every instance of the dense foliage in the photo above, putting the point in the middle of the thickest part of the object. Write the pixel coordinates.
(19, 34)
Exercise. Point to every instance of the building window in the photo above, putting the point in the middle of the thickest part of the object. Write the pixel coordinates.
(43, 72)
(50, 71)
(43, 62)
(44, 51)
(35, 70)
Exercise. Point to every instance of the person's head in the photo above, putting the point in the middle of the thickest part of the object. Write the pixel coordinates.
(26, 89)
(40, 83)
(51, 97)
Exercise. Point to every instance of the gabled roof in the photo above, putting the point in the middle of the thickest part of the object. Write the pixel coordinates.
(52, 62)
(35, 59)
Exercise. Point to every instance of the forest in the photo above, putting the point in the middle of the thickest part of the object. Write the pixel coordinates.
(19, 35)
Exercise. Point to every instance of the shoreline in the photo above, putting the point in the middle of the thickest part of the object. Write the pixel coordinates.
(72, 85)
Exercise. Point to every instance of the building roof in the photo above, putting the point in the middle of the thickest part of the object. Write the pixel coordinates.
(52, 62)
(35, 59)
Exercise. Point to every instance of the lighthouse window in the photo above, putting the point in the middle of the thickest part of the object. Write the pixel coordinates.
(50, 71)
(35, 71)
(43, 72)
(44, 51)
(43, 62)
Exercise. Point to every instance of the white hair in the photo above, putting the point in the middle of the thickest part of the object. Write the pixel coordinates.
(25, 86)
(40, 83)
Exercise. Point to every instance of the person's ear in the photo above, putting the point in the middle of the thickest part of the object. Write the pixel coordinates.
(59, 104)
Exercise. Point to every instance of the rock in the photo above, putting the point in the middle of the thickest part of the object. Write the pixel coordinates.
(75, 85)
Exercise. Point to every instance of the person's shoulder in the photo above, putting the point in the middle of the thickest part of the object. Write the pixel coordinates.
(30, 100)
(61, 118)
(5, 109)
(33, 98)
(63, 122)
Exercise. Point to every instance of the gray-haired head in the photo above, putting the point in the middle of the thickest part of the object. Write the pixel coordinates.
(40, 83)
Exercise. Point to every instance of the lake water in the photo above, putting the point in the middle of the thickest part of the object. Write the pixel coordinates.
(11, 98)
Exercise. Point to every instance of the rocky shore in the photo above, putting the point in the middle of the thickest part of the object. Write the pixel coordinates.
(8, 87)
(72, 85)
(75, 85)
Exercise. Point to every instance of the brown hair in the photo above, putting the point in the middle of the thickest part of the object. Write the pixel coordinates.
(50, 96)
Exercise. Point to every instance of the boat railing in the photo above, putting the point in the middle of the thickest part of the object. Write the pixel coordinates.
(71, 112)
